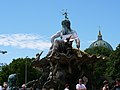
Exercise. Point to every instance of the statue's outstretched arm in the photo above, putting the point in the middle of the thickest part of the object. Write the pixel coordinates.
(77, 40)
(55, 36)
(77, 43)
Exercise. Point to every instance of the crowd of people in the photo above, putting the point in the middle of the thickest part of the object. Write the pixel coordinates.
(79, 86)
(106, 85)
(114, 86)
(4, 86)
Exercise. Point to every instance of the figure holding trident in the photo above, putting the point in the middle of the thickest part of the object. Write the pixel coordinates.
(64, 34)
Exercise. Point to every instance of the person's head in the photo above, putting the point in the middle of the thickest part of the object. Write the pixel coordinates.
(23, 86)
(66, 23)
(80, 81)
(5, 85)
(105, 83)
(66, 27)
(66, 85)
(117, 81)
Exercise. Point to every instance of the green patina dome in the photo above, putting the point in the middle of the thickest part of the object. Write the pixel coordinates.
(101, 42)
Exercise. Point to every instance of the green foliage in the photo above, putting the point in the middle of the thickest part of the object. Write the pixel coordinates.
(4, 74)
(99, 51)
(113, 65)
(99, 68)
(18, 66)
(108, 68)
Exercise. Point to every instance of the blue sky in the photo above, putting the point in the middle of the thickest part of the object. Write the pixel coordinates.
(27, 25)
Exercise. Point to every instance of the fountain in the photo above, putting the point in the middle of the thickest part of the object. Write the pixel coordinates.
(63, 63)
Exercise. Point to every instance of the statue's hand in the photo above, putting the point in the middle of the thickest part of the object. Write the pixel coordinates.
(78, 46)
(77, 43)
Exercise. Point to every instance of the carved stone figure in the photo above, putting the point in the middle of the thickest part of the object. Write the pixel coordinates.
(38, 55)
(66, 35)
(12, 82)
(63, 64)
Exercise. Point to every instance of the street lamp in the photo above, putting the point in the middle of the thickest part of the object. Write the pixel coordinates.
(1, 64)
(26, 70)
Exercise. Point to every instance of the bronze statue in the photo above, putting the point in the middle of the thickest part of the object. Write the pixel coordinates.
(38, 55)
(66, 35)
(66, 32)
(64, 64)
(12, 82)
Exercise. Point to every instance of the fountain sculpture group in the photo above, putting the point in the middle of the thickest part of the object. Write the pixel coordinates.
(64, 64)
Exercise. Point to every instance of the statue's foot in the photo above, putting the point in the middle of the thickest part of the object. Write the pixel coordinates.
(79, 55)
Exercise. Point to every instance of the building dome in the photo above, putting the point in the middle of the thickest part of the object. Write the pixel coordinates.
(101, 42)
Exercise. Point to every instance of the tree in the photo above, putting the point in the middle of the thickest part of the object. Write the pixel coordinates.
(99, 51)
(18, 66)
(4, 74)
(99, 68)
(113, 65)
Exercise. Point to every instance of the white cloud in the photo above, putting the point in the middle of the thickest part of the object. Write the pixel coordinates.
(91, 41)
(31, 41)
(88, 42)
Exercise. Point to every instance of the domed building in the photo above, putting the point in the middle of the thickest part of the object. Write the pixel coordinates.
(101, 42)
